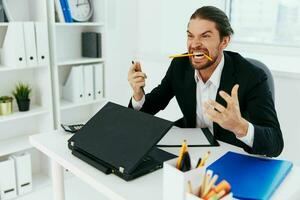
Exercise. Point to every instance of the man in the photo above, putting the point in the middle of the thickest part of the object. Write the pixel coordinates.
(227, 94)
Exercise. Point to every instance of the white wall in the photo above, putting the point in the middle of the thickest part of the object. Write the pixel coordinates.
(122, 33)
(151, 30)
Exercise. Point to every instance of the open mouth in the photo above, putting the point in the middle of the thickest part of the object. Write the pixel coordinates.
(198, 54)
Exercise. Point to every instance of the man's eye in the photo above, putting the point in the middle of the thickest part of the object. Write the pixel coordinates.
(190, 36)
(206, 36)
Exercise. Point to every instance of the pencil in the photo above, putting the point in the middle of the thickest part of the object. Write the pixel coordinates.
(202, 163)
(189, 54)
(180, 55)
(210, 184)
(182, 150)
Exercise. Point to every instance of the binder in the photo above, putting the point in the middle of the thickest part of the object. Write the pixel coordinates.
(42, 45)
(251, 177)
(59, 11)
(7, 180)
(23, 173)
(88, 82)
(91, 44)
(30, 45)
(73, 88)
(13, 51)
(98, 80)
(66, 10)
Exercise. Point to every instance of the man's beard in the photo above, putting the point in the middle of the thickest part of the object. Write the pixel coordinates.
(205, 65)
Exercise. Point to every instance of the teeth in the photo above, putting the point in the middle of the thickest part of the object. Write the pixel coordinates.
(198, 54)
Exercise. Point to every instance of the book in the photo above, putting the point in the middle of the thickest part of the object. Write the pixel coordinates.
(251, 177)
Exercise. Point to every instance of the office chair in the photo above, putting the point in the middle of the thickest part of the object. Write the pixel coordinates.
(268, 72)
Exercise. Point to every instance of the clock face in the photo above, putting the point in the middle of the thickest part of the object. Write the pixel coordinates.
(81, 10)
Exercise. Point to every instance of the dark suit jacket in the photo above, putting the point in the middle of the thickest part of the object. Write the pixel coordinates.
(255, 99)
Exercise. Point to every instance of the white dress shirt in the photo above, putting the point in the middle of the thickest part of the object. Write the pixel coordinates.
(204, 92)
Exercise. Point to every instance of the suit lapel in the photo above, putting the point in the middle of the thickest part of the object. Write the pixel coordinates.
(227, 81)
(190, 96)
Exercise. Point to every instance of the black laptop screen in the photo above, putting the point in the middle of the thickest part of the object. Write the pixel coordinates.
(121, 136)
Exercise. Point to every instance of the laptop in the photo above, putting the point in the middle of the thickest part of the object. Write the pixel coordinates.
(122, 141)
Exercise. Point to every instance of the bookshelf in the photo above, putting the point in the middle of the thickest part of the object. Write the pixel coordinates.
(18, 126)
(48, 108)
(65, 43)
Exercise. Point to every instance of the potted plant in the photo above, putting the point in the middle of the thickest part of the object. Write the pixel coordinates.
(21, 93)
(5, 105)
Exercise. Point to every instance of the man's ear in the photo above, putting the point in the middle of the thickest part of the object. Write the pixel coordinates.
(225, 42)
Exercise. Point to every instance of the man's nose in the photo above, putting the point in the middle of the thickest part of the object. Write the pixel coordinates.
(196, 43)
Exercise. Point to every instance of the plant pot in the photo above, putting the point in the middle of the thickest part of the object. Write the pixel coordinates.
(23, 104)
(5, 108)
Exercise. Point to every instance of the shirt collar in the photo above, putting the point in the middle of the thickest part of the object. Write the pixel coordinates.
(215, 78)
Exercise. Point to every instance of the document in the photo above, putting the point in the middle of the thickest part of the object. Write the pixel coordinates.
(193, 136)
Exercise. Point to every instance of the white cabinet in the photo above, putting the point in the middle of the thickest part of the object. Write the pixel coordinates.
(59, 51)
(16, 127)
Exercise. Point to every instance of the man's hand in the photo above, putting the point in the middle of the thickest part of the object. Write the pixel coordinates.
(136, 79)
(228, 118)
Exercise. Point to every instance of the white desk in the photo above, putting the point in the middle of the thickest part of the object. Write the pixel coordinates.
(148, 187)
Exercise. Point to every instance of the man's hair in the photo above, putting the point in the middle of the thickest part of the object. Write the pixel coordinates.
(216, 15)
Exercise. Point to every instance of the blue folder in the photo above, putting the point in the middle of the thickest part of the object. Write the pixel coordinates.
(250, 177)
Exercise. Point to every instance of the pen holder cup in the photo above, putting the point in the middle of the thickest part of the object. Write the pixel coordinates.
(175, 182)
(190, 196)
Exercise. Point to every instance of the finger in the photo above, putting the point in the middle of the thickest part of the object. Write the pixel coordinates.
(139, 74)
(136, 66)
(211, 116)
(234, 92)
(216, 105)
(211, 113)
(140, 84)
(226, 97)
(139, 79)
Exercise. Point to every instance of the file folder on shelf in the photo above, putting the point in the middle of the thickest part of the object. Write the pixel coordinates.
(73, 89)
(30, 46)
(7, 180)
(251, 177)
(42, 45)
(98, 80)
(23, 172)
(59, 11)
(13, 51)
(88, 82)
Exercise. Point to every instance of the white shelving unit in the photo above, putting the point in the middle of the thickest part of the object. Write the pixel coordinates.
(18, 126)
(48, 109)
(66, 51)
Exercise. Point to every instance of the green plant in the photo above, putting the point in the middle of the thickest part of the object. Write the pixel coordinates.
(5, 99)
(22, 91)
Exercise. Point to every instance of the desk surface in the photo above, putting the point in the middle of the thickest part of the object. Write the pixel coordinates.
(147, 187)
